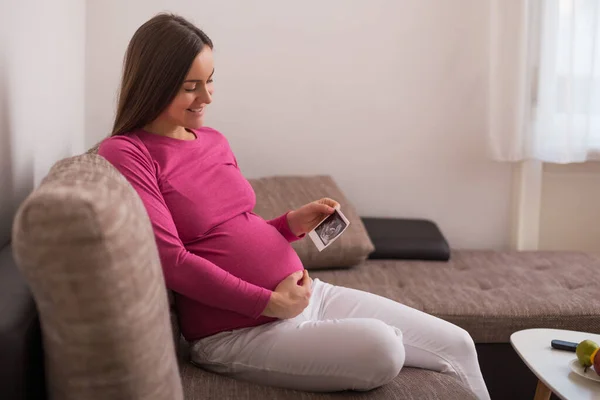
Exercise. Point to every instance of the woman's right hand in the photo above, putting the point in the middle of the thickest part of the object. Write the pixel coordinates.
(290, 297)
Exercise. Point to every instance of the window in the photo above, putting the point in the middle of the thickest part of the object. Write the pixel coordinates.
(567, 115)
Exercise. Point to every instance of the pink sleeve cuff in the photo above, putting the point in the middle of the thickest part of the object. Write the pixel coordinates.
(281, 224)
(261, 302)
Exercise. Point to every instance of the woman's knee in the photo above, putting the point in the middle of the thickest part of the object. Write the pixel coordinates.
(461, 341)
(384, 353)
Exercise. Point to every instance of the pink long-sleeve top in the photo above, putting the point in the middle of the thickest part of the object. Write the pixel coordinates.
(220, 259)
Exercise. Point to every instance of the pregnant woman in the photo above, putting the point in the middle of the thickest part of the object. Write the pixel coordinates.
(244, 300)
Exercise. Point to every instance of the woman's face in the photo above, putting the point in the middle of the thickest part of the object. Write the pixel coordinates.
(188, 107)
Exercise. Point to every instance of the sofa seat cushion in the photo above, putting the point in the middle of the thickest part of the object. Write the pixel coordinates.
(411, 384)
(490, 294)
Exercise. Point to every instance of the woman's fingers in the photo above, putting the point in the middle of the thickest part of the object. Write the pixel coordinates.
(306, 279)
(309, 282)
(330, 202)
(296, 277)
(325, 209)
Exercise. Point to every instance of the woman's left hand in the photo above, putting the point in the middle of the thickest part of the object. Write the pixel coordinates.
(307, 217)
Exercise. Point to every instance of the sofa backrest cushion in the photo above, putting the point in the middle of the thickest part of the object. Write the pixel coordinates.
(278, 194)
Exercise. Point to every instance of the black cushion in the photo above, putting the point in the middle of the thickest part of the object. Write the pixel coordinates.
(408, 239)
(21, 355)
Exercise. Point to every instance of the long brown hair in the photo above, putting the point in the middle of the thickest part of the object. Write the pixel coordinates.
(157, 60)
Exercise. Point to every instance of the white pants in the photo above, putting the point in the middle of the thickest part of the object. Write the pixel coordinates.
(345, 339)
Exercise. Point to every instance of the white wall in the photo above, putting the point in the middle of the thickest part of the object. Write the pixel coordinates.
(570, 207)
(41, 94)
(389, 97)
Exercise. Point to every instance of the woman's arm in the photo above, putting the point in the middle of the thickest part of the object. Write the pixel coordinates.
(283, 226)
(184, 272)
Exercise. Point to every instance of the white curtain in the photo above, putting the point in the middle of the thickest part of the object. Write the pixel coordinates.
(545, 80)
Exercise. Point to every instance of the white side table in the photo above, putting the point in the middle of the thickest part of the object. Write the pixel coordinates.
(552, 366)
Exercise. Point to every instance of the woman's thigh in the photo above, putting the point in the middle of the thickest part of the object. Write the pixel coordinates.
(353, 353)
(430, 342)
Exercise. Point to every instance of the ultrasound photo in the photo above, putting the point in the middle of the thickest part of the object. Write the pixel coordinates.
(331, 228)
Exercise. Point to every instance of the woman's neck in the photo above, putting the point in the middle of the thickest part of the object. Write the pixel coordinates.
(175, 132)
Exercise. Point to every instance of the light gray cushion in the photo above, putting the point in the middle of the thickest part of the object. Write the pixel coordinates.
(277, 195)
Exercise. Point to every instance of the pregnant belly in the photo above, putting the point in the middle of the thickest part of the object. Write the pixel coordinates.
(248, 247)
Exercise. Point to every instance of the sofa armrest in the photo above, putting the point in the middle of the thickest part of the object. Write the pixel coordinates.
(84, 243)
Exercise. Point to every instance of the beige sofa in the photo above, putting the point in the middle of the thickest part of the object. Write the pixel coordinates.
(86, 248)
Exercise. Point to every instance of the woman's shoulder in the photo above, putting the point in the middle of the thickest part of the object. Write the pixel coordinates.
(123, 148)
(119, 142)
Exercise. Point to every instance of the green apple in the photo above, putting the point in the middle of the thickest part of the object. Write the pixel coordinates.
(584, 352)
